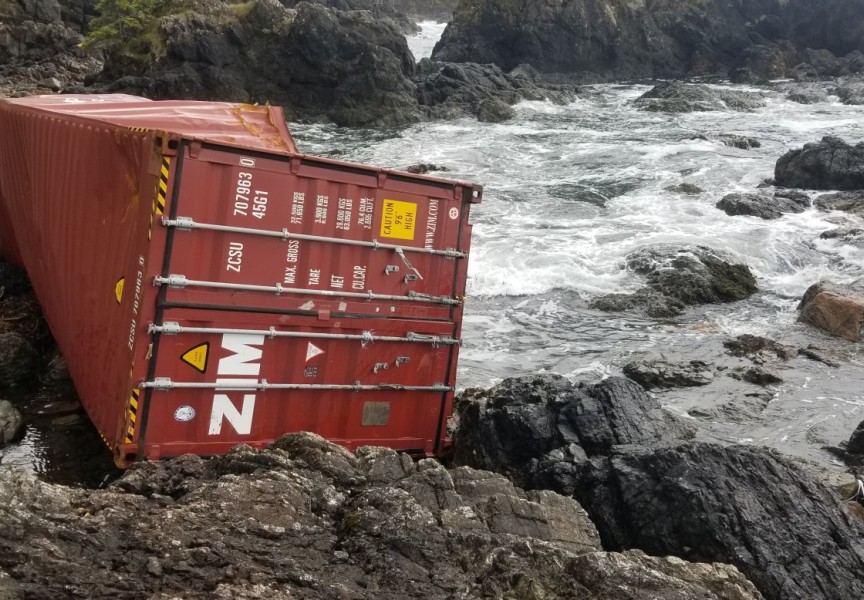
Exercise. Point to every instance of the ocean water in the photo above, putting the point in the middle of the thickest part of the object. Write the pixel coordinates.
(571, 190)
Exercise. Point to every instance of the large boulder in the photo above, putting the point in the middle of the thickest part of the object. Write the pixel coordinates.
(851, 202)
(676, 97)
(448, 90)
(677, 277)
(629, 463)
(763, 205)
(835, 309)
(618, 39)
(309, 519)
(315, 61)
(830, 164)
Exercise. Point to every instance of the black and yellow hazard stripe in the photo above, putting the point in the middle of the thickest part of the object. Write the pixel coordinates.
(139, 129)
(162, 192)
(132, 416)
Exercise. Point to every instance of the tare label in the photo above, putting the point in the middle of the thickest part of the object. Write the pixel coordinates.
(399, 220)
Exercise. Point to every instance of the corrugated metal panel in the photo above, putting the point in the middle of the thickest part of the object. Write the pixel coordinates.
(246, 125)
(207, 294)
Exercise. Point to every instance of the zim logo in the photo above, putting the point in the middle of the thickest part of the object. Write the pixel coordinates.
(241, 366)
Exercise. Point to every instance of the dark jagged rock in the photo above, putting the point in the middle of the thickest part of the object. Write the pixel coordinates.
(846, 234)
(11, 423)
(676, 97)
(685, 188)
(696, 275)
(341, 65)
(644, 300)
(831, 164)
(851, 93)
(308, 519)
(815, 353)
(755, 375)
(663, 374)
(855, 445)
(512, 426)
(786, 531)
(750, 506)
(19, 361)
(851, 202)
(39, 52)
(835, 309)
(758, 348)
(616, 39)
(763, 205)
(677, 277)
(424, 168)
(448, 90)
(739, 141)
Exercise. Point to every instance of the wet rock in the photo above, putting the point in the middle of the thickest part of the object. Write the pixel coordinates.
(851, 202)
(512, 426)
(835, 309)
(846, 234)
(855, 445)
(675, 97)
(739, 141)
(851, 93)
(762, 62)
(677, 277)
(807, 97)
(748, 506)
(758, 348)
(830, 164)
(764, 205)
(755, 375)
(426, 10)
(424, 168)
(788, 532)
(494, 111)
(449, 90)
(645, 300)
(11, 423)
(696, 275)
(814, 353)
(663, 374)
(305, 519)
(684, 188)
(19, 361)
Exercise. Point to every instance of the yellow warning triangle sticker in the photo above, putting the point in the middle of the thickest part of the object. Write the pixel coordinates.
(118, 289)
(197, 357)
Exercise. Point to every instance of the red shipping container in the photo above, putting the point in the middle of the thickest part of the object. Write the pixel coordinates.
(208, 285)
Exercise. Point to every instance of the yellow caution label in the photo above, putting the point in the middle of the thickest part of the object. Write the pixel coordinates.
(162, 192)
(132, 416)
(118, 289)
(399, 220)
(197, 357)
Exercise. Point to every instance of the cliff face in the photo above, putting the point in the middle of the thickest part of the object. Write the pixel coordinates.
(615, 39)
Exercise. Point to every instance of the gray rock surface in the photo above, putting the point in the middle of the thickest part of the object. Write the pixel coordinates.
(664, 374)
(851, 202)
(617, 39)
(646, 487)
(830, 164)
(677, 277)
(308, 519)
(676, 97)
(763, 205)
